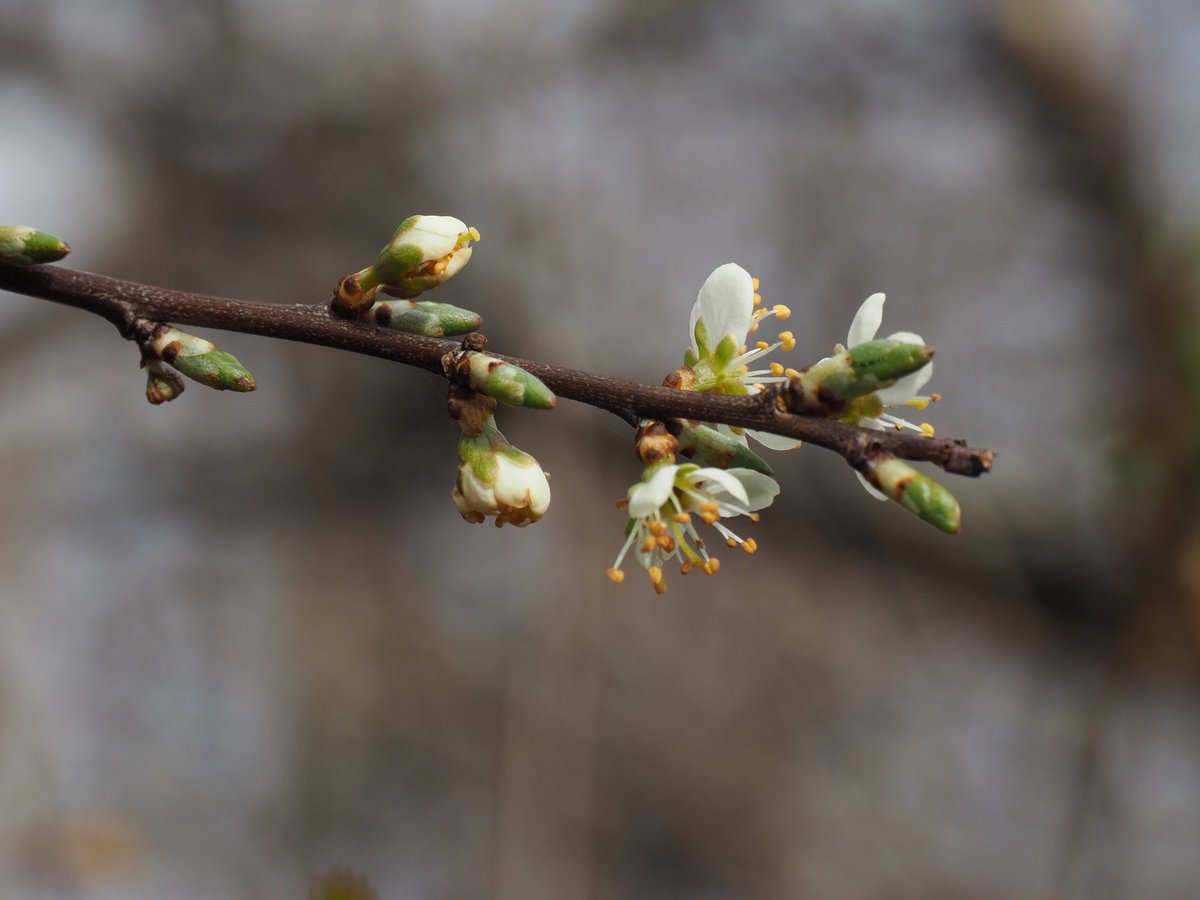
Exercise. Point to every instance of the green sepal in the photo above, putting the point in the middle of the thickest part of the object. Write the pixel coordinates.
(425, 317)
(217, 369)
(706, 446)
(690, 358)
(26, 246)
(726, 350)
(478, 451)
(700, 334)
(919, 494)
(394, 262)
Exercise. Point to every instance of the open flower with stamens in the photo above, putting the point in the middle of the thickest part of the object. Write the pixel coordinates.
(728, 310)
(871, 411)
(663, 507)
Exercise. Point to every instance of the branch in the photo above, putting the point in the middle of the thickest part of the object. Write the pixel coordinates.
(124, 302)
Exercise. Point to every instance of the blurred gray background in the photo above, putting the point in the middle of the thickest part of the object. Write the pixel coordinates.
(247, 638)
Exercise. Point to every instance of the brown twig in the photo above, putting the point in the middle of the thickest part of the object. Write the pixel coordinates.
(124, 302)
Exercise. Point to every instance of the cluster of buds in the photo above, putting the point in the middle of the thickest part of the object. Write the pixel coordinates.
(424, 252)
(166, 351)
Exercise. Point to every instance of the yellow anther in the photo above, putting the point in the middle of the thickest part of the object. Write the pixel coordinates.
(757, 301)
(754, 517)
(754, 283)
(750, 545)
(616, 575)
(649, 544)
(927, 429)
(754, 328)
(935, 397)
(743, 368)
(730, 542)
(758, 388)
(762, 345)
(787, 340)
(711, 566)
(742, 350)
(682, 517)
(686, 567)
(899, 426)
(708, 505)
(473, 232)
(792, 373)
(656, 578)
(666, 542)
(708, 517)
(776, 368)
(917, 402)
(657, 527)
(782, 311)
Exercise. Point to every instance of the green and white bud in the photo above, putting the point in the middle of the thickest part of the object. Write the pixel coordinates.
(198, 359)
(919, 494)
(425, 251)
(162, 385)
(424, 317)
(500, 380)
(497, 479)
(706, 446)
(26, 246)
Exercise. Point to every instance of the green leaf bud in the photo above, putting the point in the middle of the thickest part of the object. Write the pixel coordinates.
(503, 381)
(25, 246)
(425, 317)
(706, 446)
(162, 385)
(864, 369)
(918, 493)
(199, 360)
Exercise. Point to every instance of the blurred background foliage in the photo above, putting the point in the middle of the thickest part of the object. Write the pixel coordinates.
(244, 639)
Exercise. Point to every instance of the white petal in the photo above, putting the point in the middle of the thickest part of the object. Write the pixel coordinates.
(646, 497)
(447, 226)
(866, 321)
(907, 387)
(761, 490)
(522, 486)
(907, 337)
(726, 304)
(740, 437)
(871, 489)
(723, 479)
(476, 494)
(774, 441)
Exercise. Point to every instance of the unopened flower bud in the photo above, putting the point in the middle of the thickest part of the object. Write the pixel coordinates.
(498, 479)
(425, 251)
(25, 246)
(917, 493)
